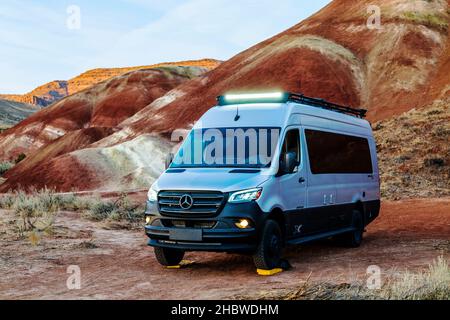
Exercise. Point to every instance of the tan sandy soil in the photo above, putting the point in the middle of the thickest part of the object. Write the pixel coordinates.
(410, 234)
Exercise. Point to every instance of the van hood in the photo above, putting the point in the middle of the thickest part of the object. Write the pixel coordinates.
(223, 179)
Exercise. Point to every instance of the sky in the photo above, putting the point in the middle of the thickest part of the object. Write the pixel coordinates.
(47, 40)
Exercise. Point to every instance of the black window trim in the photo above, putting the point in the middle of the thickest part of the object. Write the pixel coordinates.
(300, 151)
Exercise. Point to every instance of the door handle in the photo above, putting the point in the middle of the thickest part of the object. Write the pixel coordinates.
(328, 199)
(301, 180)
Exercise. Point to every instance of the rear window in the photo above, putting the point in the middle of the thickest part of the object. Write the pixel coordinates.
(332, 153)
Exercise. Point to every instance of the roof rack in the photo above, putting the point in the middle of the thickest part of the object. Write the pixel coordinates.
(283, 97)
(321, 103)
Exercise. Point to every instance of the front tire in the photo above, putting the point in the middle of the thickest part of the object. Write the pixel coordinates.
(169, 257)
(354, 239)
(268, 254)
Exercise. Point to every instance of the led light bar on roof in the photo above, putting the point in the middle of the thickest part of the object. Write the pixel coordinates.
(254, 96)
(266, 97)
(283, 97)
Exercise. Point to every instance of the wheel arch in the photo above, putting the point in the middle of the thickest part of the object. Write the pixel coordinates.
(359, 206)
(278, 215)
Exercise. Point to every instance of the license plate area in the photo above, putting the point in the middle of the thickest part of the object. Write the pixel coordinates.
(186, 234)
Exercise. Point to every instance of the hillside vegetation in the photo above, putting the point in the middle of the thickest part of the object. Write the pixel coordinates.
(414, 153)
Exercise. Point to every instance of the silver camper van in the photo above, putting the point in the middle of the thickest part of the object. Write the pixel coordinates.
(261, 172)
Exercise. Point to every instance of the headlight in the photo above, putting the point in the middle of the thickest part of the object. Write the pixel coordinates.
(243, 224)
(152, 195)
(245, 195)
(150, 219)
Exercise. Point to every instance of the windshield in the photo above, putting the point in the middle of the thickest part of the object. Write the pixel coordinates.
(228, 147)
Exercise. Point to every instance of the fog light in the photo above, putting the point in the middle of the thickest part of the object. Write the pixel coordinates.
(148, 220)
(243, 224)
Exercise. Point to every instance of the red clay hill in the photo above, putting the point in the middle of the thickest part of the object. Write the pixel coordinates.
(333, 55)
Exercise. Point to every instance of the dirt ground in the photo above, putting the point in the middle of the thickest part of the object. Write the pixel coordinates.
(117, 264)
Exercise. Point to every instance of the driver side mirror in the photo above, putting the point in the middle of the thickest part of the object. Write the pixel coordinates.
(169, 159)
(288, 162)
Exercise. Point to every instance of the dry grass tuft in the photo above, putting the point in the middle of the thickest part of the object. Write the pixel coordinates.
(35, 212)
(431, 284)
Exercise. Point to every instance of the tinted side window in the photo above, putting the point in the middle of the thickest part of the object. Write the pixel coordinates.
(331, 153)
(292, 143)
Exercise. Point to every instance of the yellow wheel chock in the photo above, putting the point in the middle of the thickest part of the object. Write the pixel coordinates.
(268, 273)
(184, 263)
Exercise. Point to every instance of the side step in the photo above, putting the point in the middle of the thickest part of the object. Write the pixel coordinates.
(319, 236)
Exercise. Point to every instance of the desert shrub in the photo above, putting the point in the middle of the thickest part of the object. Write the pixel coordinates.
(434, 162)
(434, 112)
(101, 211)
(71, 202)
(441, 132)
(35, 212)
(377, 126)
(128, 211)
(5, 166)
(87, 245)
(120, 210)
(7, 201)
(20, 158)
(402, 159)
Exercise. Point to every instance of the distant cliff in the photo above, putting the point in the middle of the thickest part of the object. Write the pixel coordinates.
(56, 90)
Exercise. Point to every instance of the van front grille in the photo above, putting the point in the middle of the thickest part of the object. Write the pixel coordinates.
(195, 204)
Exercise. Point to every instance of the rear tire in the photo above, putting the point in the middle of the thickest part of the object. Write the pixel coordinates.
(354, 239)
(169, 257)
(268, 254)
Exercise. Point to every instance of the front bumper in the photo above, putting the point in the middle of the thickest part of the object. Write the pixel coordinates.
(221, 235)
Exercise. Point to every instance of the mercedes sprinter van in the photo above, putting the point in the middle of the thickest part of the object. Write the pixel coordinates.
(261, 172)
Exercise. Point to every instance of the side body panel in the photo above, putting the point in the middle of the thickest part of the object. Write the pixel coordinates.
(331, 198)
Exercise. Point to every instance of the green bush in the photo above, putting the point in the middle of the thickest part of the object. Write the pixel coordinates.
(7, 201)
(20, 158)
(101, 211)
(5, 166)
(120, 210)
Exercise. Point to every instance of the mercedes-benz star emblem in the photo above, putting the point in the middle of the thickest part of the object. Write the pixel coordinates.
(186, 202)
